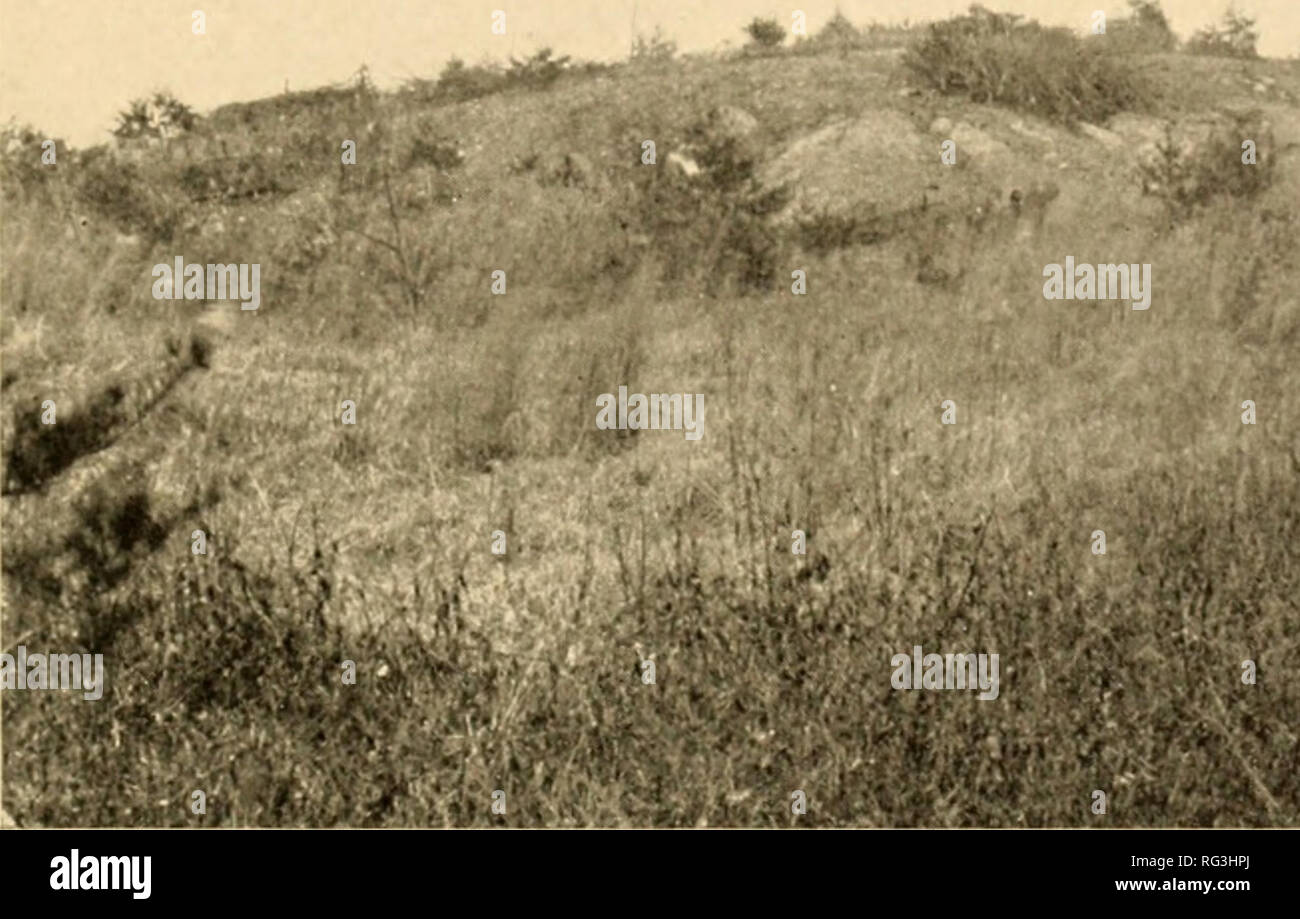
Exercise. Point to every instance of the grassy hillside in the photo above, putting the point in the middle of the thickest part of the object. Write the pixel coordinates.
(523, 672)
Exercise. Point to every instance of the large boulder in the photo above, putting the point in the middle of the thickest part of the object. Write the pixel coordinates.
(976, 144)
(881, 169)
(872, 165)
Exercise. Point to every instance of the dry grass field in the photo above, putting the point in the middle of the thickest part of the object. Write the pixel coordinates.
(525, 672)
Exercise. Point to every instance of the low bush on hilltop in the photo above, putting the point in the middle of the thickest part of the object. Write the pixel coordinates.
(1144, 30)
(537, 72)
(1235, 36)
(459, 82)
(765, 34)
(162, 115)
(653, 49)
(842, 36)
(998, 58)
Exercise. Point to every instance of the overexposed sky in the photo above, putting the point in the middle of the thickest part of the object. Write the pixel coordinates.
(67, 66)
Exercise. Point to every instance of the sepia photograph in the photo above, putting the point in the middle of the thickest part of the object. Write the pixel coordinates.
(649, 414)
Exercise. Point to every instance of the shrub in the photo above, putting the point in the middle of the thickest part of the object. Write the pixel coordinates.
(21, 169)
(118, 191)
(537, 72)
(838, 35)
(458, 82)
(996, 57)
(715, 224)
(160, 116)
(443, 154)
(1235, 36)
(1145, 30)
(1188, 175)
(839, 32)
(765, 33)
(827, 231)
(229, 178)
(655, 49)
